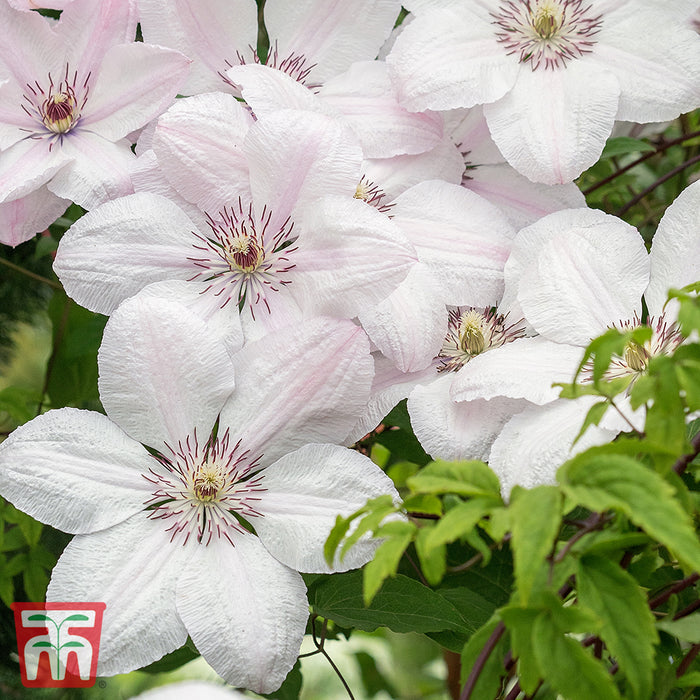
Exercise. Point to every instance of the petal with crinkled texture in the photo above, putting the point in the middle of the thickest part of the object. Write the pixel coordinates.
(576, 272)
(117, 106)
(114, 251)
(133, 568)
(537, 441)
(365, 97)
(463, 239)
(305, 383)
(198, 143)
(409, 326)
(304, 492)
(245, 612)
(21, 219)
(173, 381)
(295, 157)
(520, 199)
(100, 170)
(450, 58)
(330, 34)
(350, 257)
(454, 430)
(675, 249)
(553, 124)
(75, 470)
(523, 369)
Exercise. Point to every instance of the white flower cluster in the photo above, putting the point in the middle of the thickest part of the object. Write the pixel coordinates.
(302, 241)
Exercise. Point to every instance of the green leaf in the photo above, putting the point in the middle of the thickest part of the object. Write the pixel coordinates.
(39, 617)
(31, 529)
(372, 679)
(570, 670)
(35, 579)
(403, 605)
(72, 644)
(460, 520)
(519, 622)
(20, 403)
(42, 644)
(601, 481)
(593, 417)
(425, 504)
(536, 518)
(432, 559)
(689, 680)
(622, 145)
(386, 558)
(376, 511)
(77, 617)
(627, 622)
(686, 628)
(463, 478)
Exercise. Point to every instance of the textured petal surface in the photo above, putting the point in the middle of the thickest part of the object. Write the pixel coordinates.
(118, 106)
(295, 157)
(175, 378)
(537, 441)
(21, 219)
(523, 369)
(330, 34)
(576, 272)
(114, 251)
(305, 383)
(305, 491)
(450, 58)
(410, 325)
(198, 143)
(133, 568)
(75, 470)
(553, 124)
(350, 257)
(675, 250)
(463, 239)
(246, 612)
(453, 430)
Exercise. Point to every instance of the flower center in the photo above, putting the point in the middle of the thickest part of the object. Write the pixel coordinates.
(368, 192)
(665, 338)
(243, 259)
(546, 32)
(205, 491)
(58, 108)
(471, 332)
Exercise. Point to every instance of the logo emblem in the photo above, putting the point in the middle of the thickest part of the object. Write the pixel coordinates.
(58, 643)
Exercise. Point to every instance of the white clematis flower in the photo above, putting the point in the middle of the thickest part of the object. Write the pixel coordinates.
(203, 533)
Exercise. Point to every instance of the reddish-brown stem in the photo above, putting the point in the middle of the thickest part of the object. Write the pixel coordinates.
(687, 660)
(676, 588)
(481, 660)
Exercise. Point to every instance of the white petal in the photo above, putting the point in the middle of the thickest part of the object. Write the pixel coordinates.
(364, 95)
(520, 199)
(100, 170)
(523, 369)
(462, 238)
(675, 249)
(330, 34)
(133, 568)
(304, 492)
(537, 441)
(75, 470)
(21, 219)
(453, 430)
(349, 258)
(196, 134)
(246, 612)
(135, 84)
(114, 251)
(553, 124)
(304, 383)
(450, 58)
(409, 326)
(295, 157)
(174, 379)
(576, 272)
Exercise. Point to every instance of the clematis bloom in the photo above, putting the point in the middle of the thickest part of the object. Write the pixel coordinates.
(203, 533)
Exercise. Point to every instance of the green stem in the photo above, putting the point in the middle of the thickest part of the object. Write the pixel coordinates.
(33, 275)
